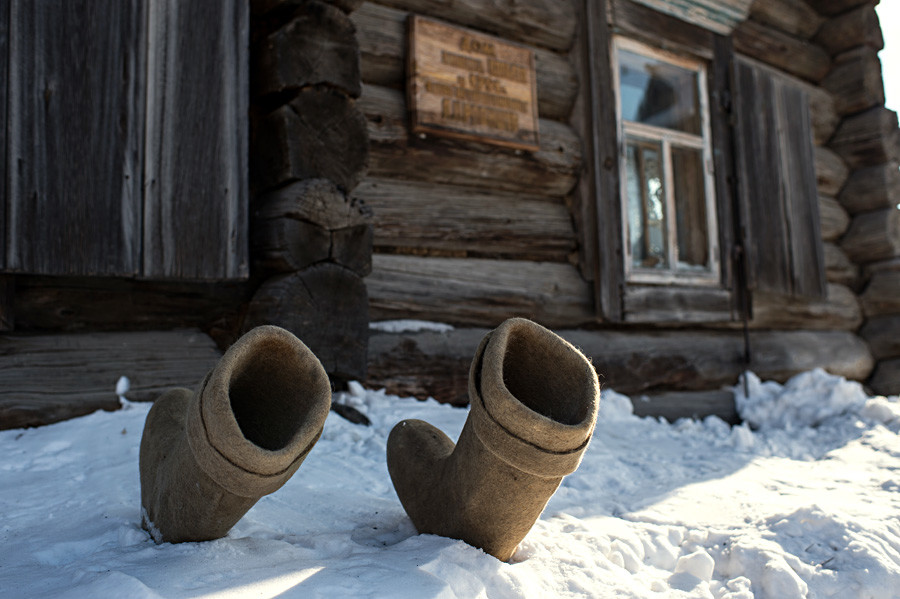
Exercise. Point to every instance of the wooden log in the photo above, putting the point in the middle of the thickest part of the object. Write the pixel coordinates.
(836, 7)
(794, 17)
(106, 304)
(886, 378)
(869, 138)
(881, 296)
(785, 52)
(351, 247)
(318, 201)
(431, 219)
(697, 405)
(552, 171)
(7, 298)
(262, 7)
(823, 114)
(855, 80)
(654, 304)
(320, 134)
(840, 310)
(651, 26)
(831, 172)
(47, 378)
(833, 218)
(326, 307)
(286, 245)
(549, 24)
(882, 333)
(477, 292)
(872, 188)
(838, 267)
(317, 46)
(381, 31)
(873, 236)
(436, 364)
(856, 27)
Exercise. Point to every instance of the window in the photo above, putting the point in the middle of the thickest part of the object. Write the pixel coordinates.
(665, 166)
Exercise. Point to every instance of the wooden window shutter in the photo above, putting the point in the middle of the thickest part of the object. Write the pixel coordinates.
(127, 157)
(777, 184)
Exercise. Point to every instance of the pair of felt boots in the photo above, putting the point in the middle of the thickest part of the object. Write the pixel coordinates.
(207, 456)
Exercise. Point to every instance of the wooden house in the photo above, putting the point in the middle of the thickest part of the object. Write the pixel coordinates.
(693, 189)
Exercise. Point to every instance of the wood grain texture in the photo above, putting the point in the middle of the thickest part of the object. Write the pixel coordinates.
(839, 310)
(381, 31)
(320, 134)
(836, 7)
(869, 138)
(678, 305)
(478, 292)
(318, 46)
(657, 28)
(427, 218)
(548, 23)
(855, 81)
(856, 27)
(719, 16)
(7, 299)
(261, 7)
(872, 188)
(778, 186)
(880, 296)
(196, 190)
(838, 267)
(325, 306)
(794, 17)
(47, 378)
(831, 171)
(886, 378)
(798, 57)
(597, 195)
(4, 105)
(436, 364)
(882, 333)
(833, 218)
(552, 171)
(873, 236)
(75, 126)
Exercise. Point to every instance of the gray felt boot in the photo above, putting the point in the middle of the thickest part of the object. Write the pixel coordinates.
(207, 456)
(534, 401)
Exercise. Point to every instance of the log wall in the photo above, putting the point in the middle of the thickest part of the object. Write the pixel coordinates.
(470, 234)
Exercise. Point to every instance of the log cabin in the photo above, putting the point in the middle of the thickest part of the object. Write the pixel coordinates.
(685, 190)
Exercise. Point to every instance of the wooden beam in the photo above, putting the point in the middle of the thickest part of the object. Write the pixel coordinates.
(823, 114)
(549, 24)
(551, 171)
(477, 292)
(47, 378)
(881, 296)
(436, 364)
(317, 46)
(673, 405)
(855, 81)
(886, 378)
(381, 31)
(868, 138)
(856, 27)
(7, 298)
(872, 188)
(834, 219)
(449, 220)
(882, 333)
(873, 236)
(785, 52)
(794, 17)
(831, 172)
(320, 134)
(839, 310)
(836, 7)
(326, 307)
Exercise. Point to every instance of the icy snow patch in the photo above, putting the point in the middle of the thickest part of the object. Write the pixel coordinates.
(409, 326)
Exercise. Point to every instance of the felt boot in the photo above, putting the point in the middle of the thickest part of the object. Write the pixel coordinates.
(207, 456)
(533, 405)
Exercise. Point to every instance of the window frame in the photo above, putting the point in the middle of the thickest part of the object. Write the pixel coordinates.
(666, 137)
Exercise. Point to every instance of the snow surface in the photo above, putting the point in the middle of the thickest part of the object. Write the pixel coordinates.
(409, 326)
(805, 503)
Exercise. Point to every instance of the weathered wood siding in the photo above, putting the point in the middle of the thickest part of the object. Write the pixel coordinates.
(126, 126)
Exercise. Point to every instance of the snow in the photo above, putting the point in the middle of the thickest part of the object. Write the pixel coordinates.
(801, 501)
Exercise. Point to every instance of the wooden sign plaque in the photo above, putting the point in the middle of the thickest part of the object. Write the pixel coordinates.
(472, 86)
